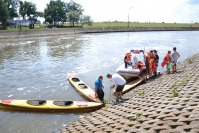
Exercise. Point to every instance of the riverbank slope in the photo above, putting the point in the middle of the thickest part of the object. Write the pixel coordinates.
(169, 103)
(71, 31)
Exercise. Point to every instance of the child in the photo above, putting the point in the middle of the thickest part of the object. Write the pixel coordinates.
(175, 55)
(167, 61)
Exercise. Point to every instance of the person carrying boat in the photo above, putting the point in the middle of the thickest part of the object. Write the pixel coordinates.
(127, 59)
(119, 82)
(167, 62)
(156, 62)
(99, 88)
(175, 55)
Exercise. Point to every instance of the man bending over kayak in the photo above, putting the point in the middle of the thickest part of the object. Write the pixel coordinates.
(119, 82)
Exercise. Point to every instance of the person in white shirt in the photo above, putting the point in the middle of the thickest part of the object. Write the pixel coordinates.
(119, 82)
(174, 57)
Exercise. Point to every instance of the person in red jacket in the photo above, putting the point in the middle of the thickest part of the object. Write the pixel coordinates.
(127, 59)
(167, 61)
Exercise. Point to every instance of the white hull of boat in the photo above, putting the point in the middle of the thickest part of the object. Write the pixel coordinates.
(128, 72)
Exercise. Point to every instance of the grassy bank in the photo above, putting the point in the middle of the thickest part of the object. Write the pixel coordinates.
(147, 25)
(113, 25)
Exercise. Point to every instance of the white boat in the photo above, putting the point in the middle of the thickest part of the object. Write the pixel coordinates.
(128, 72)
(131, 70)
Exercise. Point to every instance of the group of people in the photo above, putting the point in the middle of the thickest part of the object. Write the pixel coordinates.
(149, 67)
(117, 81)
(151, 61)
(170, 61)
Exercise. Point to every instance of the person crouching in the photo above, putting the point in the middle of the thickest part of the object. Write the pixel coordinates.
(143, 72)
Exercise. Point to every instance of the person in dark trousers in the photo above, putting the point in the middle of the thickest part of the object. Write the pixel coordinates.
(99, 88)
(146, 62)
(156, 61)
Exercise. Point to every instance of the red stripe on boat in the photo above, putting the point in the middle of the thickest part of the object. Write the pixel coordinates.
(6, 101)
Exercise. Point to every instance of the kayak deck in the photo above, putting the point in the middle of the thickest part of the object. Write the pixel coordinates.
(49, 105)
(83, 89)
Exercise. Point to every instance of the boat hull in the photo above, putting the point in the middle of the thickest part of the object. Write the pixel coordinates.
(49, 105)
(128, 72)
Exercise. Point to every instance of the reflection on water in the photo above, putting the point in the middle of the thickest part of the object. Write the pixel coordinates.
(36, 69)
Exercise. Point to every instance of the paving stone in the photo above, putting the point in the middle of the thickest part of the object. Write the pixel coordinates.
(172, 131)
(159, 128)
(188, 120)
(194, 131)
(174, 125)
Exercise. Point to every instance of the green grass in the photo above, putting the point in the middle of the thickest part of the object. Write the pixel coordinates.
(136, 25)
(176, 85)
(134, 117)
(175, 93)
(140, 93)
(190, 61)
(113, 25)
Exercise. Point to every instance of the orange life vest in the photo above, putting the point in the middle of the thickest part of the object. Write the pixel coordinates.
(128, 57)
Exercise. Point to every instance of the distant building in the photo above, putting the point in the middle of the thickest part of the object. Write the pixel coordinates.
(38, 22)
(17, 23)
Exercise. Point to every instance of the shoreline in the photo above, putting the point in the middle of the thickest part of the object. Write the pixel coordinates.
(159, 110)
(72, 31)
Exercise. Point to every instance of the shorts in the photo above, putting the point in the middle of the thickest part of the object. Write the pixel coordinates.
(119, 88)
(173, 63)
(142, 73)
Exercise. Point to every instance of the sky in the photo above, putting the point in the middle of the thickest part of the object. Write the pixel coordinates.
(169, 11)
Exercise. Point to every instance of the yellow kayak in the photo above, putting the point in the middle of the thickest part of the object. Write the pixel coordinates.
(82, 88)
(50, 105)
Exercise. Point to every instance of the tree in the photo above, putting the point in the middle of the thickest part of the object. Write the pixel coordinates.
(27, 9)
(86, 20)
(12, 6)
(74, 12)
(4, 14)
(73, 16)
(55, 12)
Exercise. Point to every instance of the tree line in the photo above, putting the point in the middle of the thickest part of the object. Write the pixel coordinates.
(55, 12)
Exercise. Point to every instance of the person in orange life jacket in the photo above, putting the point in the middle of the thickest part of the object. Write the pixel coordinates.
(156, 61)
(99, 88)
(127, 59)
(142, 73)
(167, 61)
(151, 62)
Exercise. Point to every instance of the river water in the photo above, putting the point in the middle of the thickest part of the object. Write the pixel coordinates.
(36, 68)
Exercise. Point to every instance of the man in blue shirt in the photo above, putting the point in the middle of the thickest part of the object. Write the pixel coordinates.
(99, 88)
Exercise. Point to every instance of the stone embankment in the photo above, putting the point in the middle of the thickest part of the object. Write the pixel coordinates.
(70, 31)
(166, 104)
